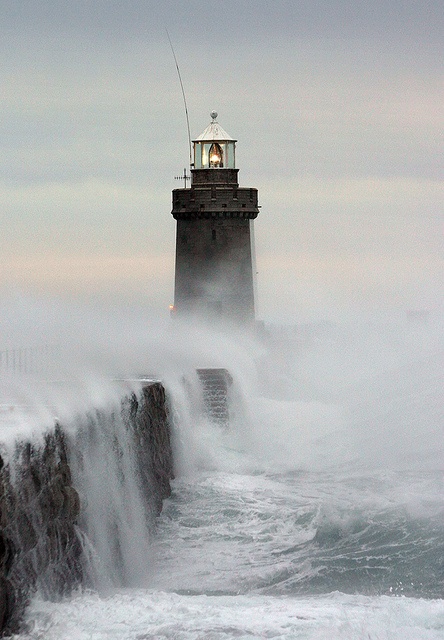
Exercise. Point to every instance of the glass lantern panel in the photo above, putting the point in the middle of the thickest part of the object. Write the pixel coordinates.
(230, 155)
(202, 154)
(197, 155)
(205, 155)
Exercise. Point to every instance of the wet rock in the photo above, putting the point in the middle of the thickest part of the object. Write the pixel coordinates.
(40, 541)
(39, 509)
(148, 417)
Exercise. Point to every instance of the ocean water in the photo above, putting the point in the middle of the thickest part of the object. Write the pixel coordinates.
(319, 514)
(294, 555)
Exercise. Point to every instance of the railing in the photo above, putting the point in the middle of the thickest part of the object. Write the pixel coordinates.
(28, 360)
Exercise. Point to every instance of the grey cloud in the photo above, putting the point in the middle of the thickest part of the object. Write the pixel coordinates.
(207, 19)
(336, 107)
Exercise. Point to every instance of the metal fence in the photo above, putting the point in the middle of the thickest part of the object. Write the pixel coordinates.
(28, 360)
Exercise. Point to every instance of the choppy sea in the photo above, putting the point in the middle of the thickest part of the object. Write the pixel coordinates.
(319, 515)
(294, 555)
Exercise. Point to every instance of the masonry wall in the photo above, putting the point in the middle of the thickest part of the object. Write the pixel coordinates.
(214, 269)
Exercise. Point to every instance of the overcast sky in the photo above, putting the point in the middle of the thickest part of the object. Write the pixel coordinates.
(337, 107)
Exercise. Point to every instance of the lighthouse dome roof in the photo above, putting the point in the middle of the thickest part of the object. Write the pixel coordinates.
(214, 131)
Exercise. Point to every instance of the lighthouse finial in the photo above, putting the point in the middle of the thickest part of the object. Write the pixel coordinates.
(213, 114)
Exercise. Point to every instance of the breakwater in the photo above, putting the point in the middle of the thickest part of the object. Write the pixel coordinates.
(77, 504)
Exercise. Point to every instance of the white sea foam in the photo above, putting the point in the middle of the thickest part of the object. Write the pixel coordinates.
(149, 615)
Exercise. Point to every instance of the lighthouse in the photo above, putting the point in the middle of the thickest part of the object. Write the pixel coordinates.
(214, 252)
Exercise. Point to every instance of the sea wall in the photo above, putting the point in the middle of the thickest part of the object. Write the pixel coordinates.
(44, 534)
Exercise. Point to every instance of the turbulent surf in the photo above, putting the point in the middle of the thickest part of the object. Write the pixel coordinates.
(318, 514)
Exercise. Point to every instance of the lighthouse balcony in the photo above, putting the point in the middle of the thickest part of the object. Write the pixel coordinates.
(215, 202)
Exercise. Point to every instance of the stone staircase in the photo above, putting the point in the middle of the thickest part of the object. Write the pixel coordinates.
(215, 384)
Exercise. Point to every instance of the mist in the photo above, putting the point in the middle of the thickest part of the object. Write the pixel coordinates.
(363, 393)
(360, 395)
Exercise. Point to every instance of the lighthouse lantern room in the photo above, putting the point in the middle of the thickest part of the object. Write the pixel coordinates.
(214, 148)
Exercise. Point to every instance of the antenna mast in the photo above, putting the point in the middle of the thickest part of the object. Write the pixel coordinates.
(183, 95)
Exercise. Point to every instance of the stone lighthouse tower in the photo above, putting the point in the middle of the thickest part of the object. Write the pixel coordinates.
(214, 271)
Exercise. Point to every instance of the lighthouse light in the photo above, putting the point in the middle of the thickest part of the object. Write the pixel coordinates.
(216, 156)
